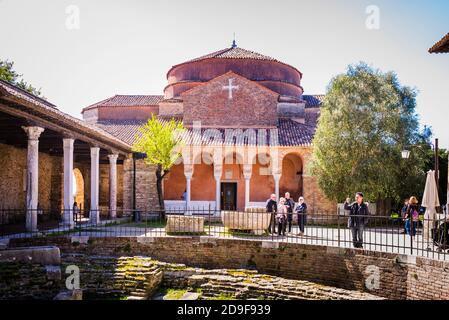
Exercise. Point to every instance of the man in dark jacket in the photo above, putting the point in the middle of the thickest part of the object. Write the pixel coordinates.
(272, 208)
(358, 218)
(290, 204)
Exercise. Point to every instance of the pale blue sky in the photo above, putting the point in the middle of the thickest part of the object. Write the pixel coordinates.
(126, 47)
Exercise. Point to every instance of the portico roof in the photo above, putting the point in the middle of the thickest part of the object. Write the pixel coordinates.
(37, 111)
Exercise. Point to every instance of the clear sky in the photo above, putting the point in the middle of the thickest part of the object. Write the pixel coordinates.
(127, 47)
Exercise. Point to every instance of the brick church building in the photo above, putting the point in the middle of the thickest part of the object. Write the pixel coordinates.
(250, 126)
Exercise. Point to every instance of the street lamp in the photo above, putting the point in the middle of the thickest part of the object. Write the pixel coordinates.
(405, 154)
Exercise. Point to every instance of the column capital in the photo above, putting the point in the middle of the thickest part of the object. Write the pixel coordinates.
(113, 158)
(33, 132)
(94, 151)
(277, 176)
(68, 142)
(247, 171)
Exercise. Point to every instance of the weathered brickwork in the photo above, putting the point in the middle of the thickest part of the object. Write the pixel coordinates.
(251, 104)
(146, 191)
(401, 277)
(13, 182)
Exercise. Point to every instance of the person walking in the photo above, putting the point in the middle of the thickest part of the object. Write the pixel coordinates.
(358, 218)
(403, 213)
(281, 217)
(301, 211)
(290, 204)
(271, 207)
(411, 217)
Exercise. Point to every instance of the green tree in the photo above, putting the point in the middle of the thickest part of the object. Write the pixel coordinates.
(8, 74)
(161, 141)
(367, 118)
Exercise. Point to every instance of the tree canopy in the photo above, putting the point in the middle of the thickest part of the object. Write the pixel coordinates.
(7, 73)
(161, 141)
(366, 119)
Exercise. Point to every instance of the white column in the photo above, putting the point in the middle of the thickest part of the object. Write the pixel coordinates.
(217, 176)
(247, 171)
(94, 184)
(32, 176)
(113, 185)
(68, 182)
(188, 193)
(277, 178)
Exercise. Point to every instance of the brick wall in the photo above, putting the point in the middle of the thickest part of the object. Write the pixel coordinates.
(251, 105)
(146, 191)
(13, 185)
(401, 276)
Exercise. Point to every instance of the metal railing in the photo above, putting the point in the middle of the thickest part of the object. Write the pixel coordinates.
(425, 237)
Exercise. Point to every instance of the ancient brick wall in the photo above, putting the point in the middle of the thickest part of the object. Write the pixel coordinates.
(251, 104)
(400, 276)
(146, 191)
(13, 179)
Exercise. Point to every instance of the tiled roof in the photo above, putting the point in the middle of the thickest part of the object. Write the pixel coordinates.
(234, 53)
(441, 46)
(313, 101)
(43, 108)
(290, 133)
(127, 101)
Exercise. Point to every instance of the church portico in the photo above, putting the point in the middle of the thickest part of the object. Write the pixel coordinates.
(40, 148)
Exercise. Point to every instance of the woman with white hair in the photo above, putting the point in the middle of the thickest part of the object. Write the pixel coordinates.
(281, 216)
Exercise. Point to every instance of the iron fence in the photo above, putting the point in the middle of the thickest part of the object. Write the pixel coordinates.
(424, 237)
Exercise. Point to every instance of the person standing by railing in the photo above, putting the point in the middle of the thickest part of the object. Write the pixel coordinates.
(281, 217)
(411, 217)
(76, 212)
(272, 209)
(290, 204)
(358, 218)
(403, 213)
(301, 211)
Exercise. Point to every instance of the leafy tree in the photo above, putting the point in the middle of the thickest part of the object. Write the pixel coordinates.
(7, 73)
(161, 141)
(367, 118)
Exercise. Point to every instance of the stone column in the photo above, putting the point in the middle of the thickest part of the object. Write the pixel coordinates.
(94, 184)
(113, 185)
(188, 172)
(247, 172)
(277, 178)
(68, 182)
(218, 171)
(32, 176)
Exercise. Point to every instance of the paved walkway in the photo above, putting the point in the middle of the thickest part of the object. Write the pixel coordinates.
(375, 239)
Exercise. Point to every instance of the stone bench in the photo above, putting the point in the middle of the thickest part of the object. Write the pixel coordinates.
(184, 224)
(255, 221)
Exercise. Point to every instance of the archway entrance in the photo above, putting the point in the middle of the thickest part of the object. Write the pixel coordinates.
(291, 179)
(78, 188)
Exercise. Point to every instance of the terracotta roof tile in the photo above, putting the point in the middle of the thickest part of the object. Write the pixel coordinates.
(313, 101)
(53, 113)
(233, 53)
(441, 46)
(290, 133)
(128, 101)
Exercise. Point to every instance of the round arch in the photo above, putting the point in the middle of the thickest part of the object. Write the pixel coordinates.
(78, 188)
(291, 178)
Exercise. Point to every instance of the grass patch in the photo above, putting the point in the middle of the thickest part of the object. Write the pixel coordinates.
(173, 294)
(223, 296)
(145, 224)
